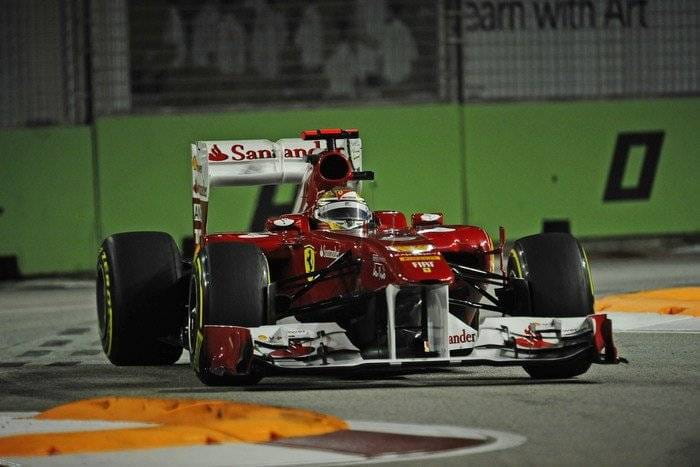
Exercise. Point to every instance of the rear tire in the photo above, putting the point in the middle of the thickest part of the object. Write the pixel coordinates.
(139, 301)
(232, 279)
(557, 271)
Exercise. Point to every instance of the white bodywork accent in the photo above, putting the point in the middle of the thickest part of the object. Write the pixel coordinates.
(460, 335)
(391, 292)
(435, 229)
(256, 162)
(270, 162)
(515, 340)
(279, 335)
(496, 330)
(439, 326)
(322, 340)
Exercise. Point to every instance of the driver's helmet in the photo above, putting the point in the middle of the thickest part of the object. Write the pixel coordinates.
(341, 209)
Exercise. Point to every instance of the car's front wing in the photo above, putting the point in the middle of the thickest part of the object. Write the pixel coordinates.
(233, 350)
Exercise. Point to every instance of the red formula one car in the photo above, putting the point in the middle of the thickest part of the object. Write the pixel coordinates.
(335, 285)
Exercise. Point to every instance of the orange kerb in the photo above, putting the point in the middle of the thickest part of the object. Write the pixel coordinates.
(177, 422)
(678, 301)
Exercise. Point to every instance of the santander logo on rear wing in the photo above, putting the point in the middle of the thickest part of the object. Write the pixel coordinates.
(258, 162)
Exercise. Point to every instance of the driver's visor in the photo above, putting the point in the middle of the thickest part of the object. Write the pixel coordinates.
(345, 211)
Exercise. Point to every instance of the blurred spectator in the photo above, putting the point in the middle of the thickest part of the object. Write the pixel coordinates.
(340, 68)
(175, 37)
(231, 45)
(309, 38)
(203, 47)
(398, 49)
(370, 16)
(269, 39)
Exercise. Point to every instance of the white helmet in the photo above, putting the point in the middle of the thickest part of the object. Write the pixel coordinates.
(342, 209)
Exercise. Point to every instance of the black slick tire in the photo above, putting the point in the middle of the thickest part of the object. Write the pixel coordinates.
(228, 288)
(557, 271)
(139, 299)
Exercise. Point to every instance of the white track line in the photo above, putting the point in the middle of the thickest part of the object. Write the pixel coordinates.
(653, 322)
(244, 454)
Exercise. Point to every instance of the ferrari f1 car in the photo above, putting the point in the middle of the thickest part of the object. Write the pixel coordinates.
(335, 285)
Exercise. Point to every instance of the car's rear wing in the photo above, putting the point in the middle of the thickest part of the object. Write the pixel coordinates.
(258, 162)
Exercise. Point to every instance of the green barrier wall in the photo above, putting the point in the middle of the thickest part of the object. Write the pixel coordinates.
(531, 162)
(145, 167)
(525, 163)
(47, 199)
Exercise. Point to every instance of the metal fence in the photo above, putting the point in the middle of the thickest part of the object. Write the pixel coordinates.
(38, 42)
(65, 61)
(571, 49)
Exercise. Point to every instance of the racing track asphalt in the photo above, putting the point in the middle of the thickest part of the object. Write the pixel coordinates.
(644, 413)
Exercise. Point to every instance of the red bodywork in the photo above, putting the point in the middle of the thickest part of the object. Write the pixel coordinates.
(391, 251)
(416, 257)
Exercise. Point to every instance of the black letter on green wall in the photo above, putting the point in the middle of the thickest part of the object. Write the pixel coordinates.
(651, 141)
(266, 207)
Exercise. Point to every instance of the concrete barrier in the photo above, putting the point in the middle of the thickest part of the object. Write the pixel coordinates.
(46, 199)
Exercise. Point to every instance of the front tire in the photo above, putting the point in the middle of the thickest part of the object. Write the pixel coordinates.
(558, 275)
(574, 367)
(228, 288)
(139, 304)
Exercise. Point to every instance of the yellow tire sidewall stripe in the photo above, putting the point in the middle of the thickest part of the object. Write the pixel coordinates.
(516, 260)
(587, 266)
(107, 292)
(199, 279)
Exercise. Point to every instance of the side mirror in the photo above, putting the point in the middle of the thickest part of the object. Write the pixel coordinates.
(296, 222)
(427, 218)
